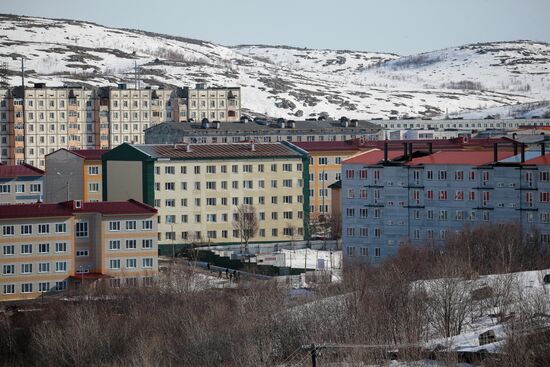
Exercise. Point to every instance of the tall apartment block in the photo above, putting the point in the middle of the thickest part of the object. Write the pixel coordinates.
(197, 188)
(391, 197)
(21, 184)
(37, 121)
(46, 247)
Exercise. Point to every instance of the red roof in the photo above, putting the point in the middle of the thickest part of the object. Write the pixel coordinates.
(439, 144)
(540, 161)
(112, 207)
(89, 154)
(19, 171)
(66, 209)
(460, 157)
(33, 211)
(372, 157)
(314, 146)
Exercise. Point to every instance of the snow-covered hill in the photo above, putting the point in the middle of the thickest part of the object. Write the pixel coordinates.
(282, 81)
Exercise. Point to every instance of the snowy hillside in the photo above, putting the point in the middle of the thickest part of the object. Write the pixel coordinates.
(282, 81)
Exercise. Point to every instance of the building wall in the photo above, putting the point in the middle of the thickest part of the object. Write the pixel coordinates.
(192, 216)
(222, 104)
(92, 185)
(21, 190)
(52, 278)
(325, 169)
(124, 181)
(64, 177)
(411, 204)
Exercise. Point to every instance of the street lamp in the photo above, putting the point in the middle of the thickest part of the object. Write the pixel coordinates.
(67, 183)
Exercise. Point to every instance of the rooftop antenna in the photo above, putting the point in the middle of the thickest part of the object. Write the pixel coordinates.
(23, 105)
(135, 75)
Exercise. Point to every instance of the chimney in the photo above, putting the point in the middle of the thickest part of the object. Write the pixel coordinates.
(188, 148)
(515, 148)
(252, 147)
(542, 148)
(522, 153)
(430, 147)
(385, 152)
(410, 151)
(495, 152)
(405, 150)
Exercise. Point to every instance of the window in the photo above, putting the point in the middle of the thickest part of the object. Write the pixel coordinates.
(8, 270)
(93, 170)
(43, 286)
(26, 249)
(36, 188)
(60, 228)
(287, 167)
(61, 247)
(459, 195)
(147, 262)
(170, 186)
(81, 229)
(114, 264)
(60, 266)
(19, 188)
(350, 174)
(26, 288)
(442, 175)
(363, 174)
(93, 187)
(9, 250)
(26, 268)
(8, 230)
(114, 245)
(44, 248)
(131, 244)
(9, 288)
(147, 244)
(544, 197)
(26, 229)
(147, 225)
(114, 226)
(5, 189)
(130, 225)
(82, 253)
(443, 195)
(323, 160)
(350, 251)
(43, 228)
(131, 263)
(169, 170)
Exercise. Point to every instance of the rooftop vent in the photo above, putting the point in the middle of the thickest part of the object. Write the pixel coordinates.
(122, 86)
(205, 124)
(216, 124)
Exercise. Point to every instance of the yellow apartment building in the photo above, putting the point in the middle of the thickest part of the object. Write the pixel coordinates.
(197, 188)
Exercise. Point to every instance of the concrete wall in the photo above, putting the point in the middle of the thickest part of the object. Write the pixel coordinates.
(64, 177)
(124, 181)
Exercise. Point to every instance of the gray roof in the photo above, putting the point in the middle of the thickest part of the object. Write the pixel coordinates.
(235, 128)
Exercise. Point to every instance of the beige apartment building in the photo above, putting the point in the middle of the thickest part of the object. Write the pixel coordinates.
(214, 104)
(197, 188)
(39, 120)
(47, 247)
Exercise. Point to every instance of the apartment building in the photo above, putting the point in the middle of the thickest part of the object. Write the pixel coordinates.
(261, 131)
(47, 247)
(39, 120)
(461, 124)
(389, 198)
(325, 169)
(215, 104)
(197, 188)
(21, 184)
(74, 175)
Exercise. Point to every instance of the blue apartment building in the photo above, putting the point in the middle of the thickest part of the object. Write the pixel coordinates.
(390, 198)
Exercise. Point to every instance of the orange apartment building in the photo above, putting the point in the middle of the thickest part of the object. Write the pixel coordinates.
(46, 247)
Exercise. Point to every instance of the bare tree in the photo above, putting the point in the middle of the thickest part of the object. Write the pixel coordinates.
(245, 220)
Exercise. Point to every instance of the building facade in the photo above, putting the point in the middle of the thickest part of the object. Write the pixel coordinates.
(426, 198)
(44, 247)
(262, 131)
(21, 184)
(74, 175)
(324, 170)
(198, 188)
(40, 120)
